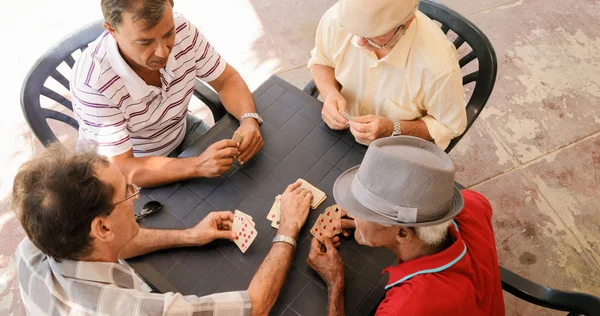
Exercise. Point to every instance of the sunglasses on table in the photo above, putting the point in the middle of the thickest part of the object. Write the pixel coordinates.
(133, 191)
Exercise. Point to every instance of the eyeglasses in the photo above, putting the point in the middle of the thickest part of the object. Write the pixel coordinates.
(149, 208)
(132, 192)
(372, 43)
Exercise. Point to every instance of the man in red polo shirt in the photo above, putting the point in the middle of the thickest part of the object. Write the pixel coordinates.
(403, 197)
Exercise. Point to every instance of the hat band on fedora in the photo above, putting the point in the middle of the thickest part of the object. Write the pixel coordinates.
(381, 206)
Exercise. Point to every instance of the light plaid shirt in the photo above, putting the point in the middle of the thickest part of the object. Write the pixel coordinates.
(72, 287)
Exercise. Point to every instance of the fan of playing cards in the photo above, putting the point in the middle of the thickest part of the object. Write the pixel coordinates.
(244, 230)
(328, 224)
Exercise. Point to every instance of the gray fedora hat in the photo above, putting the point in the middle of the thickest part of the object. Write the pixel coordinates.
(404, 181)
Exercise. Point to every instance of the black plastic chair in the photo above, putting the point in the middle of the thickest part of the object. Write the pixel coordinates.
(572, 302)
(47, 66)
(482, 49)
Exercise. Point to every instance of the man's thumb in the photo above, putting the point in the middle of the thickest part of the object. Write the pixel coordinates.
(225, 234)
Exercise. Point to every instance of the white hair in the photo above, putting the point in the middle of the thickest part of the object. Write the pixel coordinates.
(434, 235)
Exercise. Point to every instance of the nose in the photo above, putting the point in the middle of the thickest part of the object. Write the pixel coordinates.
(362, 41)
(162, 51)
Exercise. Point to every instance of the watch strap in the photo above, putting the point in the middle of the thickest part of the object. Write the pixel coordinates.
(397, 128)
(285, 239)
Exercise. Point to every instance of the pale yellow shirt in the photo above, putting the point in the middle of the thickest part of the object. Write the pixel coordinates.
(419, 79)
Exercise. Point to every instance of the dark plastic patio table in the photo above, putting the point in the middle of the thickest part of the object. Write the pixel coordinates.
(297, 145)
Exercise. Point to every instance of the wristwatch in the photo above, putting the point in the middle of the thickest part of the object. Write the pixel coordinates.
(255, 116)
(397, 128)
(285, 239)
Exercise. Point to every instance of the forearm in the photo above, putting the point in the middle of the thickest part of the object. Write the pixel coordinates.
(336, 299)
(324, 77)
(416, 128)
(157, 170)
(150, 240)
(234, 93)
(268, 280)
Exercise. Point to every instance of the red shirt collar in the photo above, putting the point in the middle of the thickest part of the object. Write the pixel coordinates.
(429, 264)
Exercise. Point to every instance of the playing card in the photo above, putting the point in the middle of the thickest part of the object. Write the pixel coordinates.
(275, 211)
(239, 138)
(242, 214)
(245, 233)
(333, 217)
(346, 115)
(316, 230)
(318, 195)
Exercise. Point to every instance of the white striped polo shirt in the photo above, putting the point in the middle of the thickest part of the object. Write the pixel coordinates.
(117, 110)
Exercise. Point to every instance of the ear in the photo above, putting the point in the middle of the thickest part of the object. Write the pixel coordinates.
(404, 235)
(110, 29)
(101, 229)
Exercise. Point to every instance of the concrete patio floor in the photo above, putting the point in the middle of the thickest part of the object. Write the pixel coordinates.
(534, 152)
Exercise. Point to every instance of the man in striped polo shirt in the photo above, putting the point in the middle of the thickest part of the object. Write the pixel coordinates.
(131, 89)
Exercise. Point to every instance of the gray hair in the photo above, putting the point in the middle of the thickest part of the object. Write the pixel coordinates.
(147, 10)
(433, 236)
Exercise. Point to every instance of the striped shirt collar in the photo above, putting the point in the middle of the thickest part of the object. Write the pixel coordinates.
(135, 85)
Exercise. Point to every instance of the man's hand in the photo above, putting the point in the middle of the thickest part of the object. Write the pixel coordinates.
(332, 105)
(326, 262)
(217, 158)
(216, 225)
(348, 224)
(295, 205)
(252, 142)
(368, 128)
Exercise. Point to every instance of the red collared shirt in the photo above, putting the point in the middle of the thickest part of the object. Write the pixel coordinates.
(464, 279)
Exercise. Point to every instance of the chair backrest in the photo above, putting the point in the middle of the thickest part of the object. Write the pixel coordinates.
(46, 66)
(482, 50)
(573, 302)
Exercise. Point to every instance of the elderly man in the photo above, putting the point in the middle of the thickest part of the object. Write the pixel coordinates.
(131, 88)
(392, 68)
(77, 211)
(403, 198)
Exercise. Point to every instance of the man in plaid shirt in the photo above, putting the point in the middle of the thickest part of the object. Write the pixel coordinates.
(77, 210)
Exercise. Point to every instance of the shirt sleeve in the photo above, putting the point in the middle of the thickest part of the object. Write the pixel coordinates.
(219, 304)
(100, 121)
(446, 114)
(209, 64)
(322, 53)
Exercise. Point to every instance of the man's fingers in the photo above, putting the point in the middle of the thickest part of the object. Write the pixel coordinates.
(360, 127)
(364, 119)
(328, 243)
(227, 152)
(348, 224)
(252, 150)
(223, 215)
(293, 186)
(224, 234)
(224, 144)
(315, 245)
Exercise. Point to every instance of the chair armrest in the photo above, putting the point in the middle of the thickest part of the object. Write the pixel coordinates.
(537, 294)
(311, 89)
(210, 98)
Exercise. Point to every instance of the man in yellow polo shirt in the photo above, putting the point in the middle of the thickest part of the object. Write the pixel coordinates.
(391, 68)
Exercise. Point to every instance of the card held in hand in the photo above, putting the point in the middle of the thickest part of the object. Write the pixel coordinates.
(246, 216)
(238, 138)
(245, 233)
(274, 213)
(346, 115)
(316, 230)
(318, 195)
